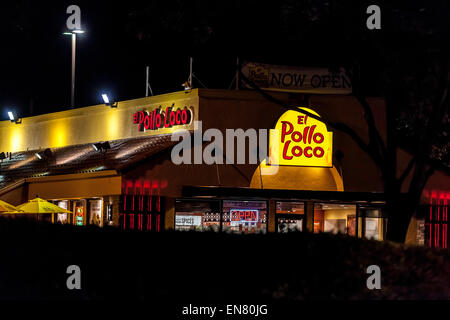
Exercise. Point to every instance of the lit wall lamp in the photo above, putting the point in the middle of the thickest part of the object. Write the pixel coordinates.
(70, 32)
(13, 117)
(112, 104)
(101, 146)
(46, 154)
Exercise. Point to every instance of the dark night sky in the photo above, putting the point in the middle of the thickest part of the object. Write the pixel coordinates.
(123, 37)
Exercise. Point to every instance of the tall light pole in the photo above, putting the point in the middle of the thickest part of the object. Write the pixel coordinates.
(74, 49)
(74, 27)
(72, 87)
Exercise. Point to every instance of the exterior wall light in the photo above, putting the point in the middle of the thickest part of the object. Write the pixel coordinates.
(46, 154)
(101, 146)
(107, 102)
(13, 117)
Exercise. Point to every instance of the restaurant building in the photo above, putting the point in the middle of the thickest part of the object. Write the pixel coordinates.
(112, 165)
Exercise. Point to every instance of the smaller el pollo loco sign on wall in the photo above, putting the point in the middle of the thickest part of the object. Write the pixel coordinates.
(159, 119)
(301, 141)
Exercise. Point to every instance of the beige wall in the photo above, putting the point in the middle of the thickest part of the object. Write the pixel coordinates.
(338, 214)
(75, 186)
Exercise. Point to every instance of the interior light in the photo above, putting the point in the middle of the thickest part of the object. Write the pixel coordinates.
(11, 116)
(38, 155)
(78, 31)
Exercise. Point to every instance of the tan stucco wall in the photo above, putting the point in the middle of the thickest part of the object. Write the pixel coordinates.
(298, 178)
(75, 186)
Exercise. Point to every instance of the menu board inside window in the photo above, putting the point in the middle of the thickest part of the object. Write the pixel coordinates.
(197, 215)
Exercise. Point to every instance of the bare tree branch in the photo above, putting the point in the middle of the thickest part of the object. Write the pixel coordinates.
(406, 171)
(374, 134)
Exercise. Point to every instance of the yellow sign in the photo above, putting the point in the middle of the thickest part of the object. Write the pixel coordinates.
(299, 140)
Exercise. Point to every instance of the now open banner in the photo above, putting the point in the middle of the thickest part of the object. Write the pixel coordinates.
(296, 79)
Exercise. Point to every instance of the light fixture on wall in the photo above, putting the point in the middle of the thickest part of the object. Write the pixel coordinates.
(13, 117)
(109, 212)
(101, 146)
(108, 102)
(46, 154)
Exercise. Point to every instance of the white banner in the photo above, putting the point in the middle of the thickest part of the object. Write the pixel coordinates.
(188, 220)
(296, 79)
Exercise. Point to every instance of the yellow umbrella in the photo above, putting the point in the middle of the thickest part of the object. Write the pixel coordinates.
(39, 205)
(6, 207)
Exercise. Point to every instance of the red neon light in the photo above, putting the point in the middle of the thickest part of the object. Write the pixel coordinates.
(244, 215)
(132, 221)
(431, 227)
(137, 185)
(444, 231)
(436, 235)
(438, 206)
(140, 221)
(149, 222)
(157, 222)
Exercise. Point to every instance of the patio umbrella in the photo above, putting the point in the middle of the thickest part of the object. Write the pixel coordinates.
(39, 205)
(6, 207)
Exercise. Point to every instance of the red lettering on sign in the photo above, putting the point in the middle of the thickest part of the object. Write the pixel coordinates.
(157, 119)
(283, 129)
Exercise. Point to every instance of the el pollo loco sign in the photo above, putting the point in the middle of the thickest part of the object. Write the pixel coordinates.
(299, 140)
(158, 119)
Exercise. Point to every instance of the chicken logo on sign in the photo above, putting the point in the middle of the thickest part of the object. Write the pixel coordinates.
(299, 140)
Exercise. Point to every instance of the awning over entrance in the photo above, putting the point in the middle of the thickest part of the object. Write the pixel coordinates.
(253, 193)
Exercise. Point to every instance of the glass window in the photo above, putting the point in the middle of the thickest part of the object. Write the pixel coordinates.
(290, 216)
(371, 224)
(335, 218)
(244, 216)
(197, 215)
(62, 217)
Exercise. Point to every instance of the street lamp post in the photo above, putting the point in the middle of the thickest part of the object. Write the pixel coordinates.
(74, 49)
(73, 24)
(72, 93)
